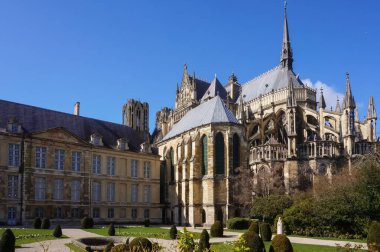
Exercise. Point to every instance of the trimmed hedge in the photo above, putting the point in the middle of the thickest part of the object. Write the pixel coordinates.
(239, 223)
(109, 247)
(146, 223)
(120, 248)
(373, 240)
(140, 244)
(57, 231)
(37, 223)
(204, 241)
(253, 241)
(87, 222)
(173, 232)
(45, 223)
(7, 241)
(281, 243)
(217, 229)
(111, 230)
(265, 231)
(254, 227)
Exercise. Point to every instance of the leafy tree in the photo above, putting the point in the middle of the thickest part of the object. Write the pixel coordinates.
(268, 207)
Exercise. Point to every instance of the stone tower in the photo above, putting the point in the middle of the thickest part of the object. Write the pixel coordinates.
(136, 116)
(348, 119)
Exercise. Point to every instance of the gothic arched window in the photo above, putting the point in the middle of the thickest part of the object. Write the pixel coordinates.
(235, 151)
(171, 164)
(204, 161)
(219, 153)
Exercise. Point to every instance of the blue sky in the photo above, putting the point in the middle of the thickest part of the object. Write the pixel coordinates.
(101, 53)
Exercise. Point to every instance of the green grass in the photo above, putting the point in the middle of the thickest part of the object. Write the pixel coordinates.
(74, 247)
(229, 246)
(30, 235)
(148, 232)
(331, 238)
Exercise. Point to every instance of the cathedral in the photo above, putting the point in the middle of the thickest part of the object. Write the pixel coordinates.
(273, 125)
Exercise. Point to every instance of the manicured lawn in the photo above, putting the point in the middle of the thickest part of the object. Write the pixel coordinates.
(30, 235)
(224, 247)
(331, 238)
(148, 232)
(74, 247)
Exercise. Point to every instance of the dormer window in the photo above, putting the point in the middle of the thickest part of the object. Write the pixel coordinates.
(97, 139)
(14, 126)
(122, 144)
(145, 147)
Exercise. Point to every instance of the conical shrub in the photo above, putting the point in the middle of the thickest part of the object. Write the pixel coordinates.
(111, 230)
(204, 241)
(8, 241)
(57, 231)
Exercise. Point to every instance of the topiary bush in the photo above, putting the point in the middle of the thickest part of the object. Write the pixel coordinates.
(281, 243)
(120, 248)
(45, 223)
(204, 241)
(140, 244)
(238, 223)
(87, 222)
(173, 232)
(109, 247)
(373, 239)
(57, 231)
(265, 231)
(37, 223)
(7, 241)
(111, 230)
(253, 242)
(254, 227)
(217, 229)
(146, 223)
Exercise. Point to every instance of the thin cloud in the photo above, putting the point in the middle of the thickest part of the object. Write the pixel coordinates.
(329, 93)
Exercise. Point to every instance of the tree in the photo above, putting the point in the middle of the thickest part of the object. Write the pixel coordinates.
(268, 207)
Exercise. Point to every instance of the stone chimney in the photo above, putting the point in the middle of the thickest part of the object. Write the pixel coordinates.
(76, 108)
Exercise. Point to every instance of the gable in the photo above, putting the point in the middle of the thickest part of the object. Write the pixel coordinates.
(59, 134)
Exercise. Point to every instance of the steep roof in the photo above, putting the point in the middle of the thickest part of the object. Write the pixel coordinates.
(201, 86)
(35, 119)
(275, 79)
(211, 111)
(216, 88)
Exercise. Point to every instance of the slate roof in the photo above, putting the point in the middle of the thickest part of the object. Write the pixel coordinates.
(275, 79)
(215, 88)
(35, 119)
(201, 85)
(211, 111)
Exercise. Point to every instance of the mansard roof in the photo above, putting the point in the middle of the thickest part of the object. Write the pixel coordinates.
(275, 79)
(216, 88)
(35, 119)
(211, 111)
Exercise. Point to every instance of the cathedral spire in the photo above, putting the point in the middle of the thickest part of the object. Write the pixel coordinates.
(371, 113)
(322, 102)
(286, 53)
(338, 108)
(348, 100)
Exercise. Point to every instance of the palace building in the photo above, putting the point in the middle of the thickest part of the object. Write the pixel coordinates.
(274, 125)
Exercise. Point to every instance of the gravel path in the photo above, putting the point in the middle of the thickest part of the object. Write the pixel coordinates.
(168, 245)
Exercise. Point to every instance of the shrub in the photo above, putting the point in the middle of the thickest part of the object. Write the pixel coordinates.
(120, 248)
(8, 241)
(140, 244)
(265, 231)
(216, 229)
(253, 242)
(281, 243)
(268, 207)
(173, 232)
(37, 223)
(185, 241)
(254, 227)
(109, 247)
(238, 223)
(146, 223)
(111, 230)
(45, 223)
(204, 241)
(57, 231)
(87, 222)
(373, 240)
